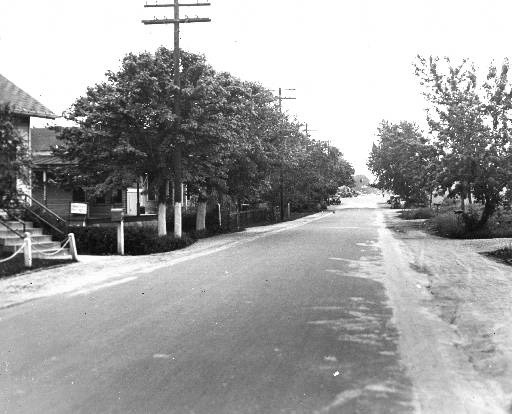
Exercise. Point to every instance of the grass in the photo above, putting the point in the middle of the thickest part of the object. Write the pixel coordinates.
(17, 265)
(417, 213)
(503, 255)
(448, 224)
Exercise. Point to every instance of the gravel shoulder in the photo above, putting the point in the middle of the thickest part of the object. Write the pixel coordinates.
(471, 294)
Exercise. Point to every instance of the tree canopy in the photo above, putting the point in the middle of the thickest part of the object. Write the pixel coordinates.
(236, 143)
(404, 161)
(14, 160)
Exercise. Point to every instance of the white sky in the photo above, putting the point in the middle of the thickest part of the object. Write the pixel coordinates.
(350, 61)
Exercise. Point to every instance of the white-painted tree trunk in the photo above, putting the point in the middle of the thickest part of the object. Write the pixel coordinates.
(162, 229)
(201, 216)
(177, 220)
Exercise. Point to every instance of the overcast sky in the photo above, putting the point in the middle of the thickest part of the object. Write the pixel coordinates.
(349, 61)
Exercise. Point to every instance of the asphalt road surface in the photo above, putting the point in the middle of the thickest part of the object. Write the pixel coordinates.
(294, 321)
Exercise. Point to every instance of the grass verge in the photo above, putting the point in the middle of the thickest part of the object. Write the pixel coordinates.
(503, 255)
(417, 213)
(17, 265)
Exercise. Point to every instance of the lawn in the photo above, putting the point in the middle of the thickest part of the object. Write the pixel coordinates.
(16, 265)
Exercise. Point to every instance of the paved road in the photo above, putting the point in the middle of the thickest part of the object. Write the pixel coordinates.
(290, 322)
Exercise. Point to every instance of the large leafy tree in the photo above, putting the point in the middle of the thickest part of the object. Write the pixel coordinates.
(470, 120)
(404, 161)
(127, 126)
(14, 160)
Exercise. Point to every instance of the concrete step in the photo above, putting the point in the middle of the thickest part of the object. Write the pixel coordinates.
(15, 240)
(19, 226)
(36, 231)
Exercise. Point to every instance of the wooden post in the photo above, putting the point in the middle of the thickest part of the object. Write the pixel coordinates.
(45, 189)
(27, 251)
(120, 237)
(138, 197)
(72, 247)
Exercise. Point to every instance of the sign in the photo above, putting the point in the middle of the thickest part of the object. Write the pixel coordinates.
(78, 208)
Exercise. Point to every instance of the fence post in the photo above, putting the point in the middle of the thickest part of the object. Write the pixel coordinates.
(72, 247)
(27, 250)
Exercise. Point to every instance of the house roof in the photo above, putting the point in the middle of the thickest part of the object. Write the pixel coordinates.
(21, 102)
(43, 139)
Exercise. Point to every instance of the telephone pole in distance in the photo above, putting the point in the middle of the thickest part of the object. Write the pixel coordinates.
(178, 152)
(280, 98)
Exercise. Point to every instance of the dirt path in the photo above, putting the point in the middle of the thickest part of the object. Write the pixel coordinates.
(453, 308)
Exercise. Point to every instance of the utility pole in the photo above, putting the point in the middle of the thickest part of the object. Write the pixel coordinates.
(178, 151)
(280, 97)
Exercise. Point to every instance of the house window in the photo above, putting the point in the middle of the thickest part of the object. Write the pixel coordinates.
(78, 195)
(117, 196)
(100, 199)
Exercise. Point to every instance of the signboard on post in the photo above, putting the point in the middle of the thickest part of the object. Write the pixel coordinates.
(78, 208)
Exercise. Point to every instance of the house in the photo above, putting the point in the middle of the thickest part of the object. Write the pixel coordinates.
(24, 107)
(62, 198)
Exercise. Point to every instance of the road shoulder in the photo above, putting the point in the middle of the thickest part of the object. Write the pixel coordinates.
(452, 307)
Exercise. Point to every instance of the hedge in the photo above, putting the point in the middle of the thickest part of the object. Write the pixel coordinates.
(137, 241)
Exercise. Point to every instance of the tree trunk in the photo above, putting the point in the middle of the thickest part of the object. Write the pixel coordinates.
(162, 222)
(162, 211)
(489, 209)
(201, 216)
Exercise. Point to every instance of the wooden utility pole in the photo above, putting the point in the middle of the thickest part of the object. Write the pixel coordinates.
(280, 97)
(178, 151)
(309, 130)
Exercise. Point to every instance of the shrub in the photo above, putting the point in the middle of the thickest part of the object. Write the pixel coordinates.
(137, 241)
(448, 225)
(95, 240)
(418, 213)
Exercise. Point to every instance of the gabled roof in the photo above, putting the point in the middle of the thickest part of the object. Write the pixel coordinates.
(22, 103)
(43, 139)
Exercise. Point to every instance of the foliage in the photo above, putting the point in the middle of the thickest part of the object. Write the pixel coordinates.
(417, 213)
(448, 225)
(138, 241)
(504, 254)
(404, 161)
(14, 159)
(95, 240)
(238, 147)
(127, 126)
(470, 120)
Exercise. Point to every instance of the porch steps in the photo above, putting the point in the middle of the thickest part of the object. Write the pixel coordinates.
(42, 244)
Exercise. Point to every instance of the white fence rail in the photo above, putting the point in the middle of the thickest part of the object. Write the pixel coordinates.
(28, 248)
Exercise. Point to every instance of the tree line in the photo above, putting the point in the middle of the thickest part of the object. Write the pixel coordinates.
(237, 145)
(467, 151)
